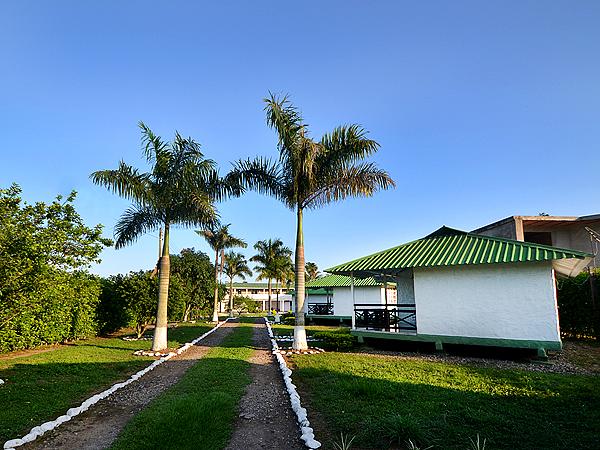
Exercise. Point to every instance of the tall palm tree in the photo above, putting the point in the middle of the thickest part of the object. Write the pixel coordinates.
(312, 271)
(219, 239)
(180, 189)
(270, 252)
(235, 266)
(309, 174)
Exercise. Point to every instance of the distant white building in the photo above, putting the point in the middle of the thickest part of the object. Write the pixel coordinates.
(281, 300)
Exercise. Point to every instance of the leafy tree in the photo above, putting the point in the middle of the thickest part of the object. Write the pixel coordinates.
(45, 297)
(111, 312)
(194, 270)
(181, 189)
(271, 256)
(246, 304)
(235, 266)
(219, 239)
(139, 291)
(312, 271)
(310, 174)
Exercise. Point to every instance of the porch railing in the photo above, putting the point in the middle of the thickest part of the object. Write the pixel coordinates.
(320, 309)
(390, 317)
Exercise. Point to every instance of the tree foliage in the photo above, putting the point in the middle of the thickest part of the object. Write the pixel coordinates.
(194, 272)
(45, 297)
(579, 313)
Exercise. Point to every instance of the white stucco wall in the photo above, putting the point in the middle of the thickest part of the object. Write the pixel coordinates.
(509, 301)
(342, 298)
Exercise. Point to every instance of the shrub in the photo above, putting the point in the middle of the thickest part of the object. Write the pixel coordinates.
(339, 339)
(246, 304)
(289, 320)
(577, 315)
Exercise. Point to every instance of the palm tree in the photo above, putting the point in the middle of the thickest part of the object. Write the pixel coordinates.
(312, 271)
(309, 174)
(284, 271)
(180, 189)
(219, 239)
(235, 266)
(270, 252)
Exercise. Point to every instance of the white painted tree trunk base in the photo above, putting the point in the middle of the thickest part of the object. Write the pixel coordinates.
(300, 342)
(215, 317)
(159, 342)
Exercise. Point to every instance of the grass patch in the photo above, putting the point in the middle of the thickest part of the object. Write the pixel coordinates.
(43, 385)
(200, 410)
(385, 401)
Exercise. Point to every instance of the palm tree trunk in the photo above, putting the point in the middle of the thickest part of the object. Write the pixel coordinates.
(159, 342)
(231, 297)
(299, 330)
(269, 291)
(215, 317)
(277, 294)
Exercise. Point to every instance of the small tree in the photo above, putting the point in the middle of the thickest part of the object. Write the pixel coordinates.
(195, 273)
(270, 254)
(312, 271)
(139, 291)
(235, 266)
(219, 239)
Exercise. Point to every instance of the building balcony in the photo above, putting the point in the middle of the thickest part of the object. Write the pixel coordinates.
(390, 318)
(320, 309)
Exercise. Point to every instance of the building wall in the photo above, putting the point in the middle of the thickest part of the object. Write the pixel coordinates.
(342, 298)
(504, 230)
(575, 237)
(509, 301)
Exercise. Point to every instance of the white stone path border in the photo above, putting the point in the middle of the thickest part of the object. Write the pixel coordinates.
(307, 433)
(72, 412)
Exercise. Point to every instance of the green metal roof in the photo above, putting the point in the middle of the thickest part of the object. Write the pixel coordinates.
(341, 281)
(450, 247)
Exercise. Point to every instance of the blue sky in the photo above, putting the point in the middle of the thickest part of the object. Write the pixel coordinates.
(482, 109)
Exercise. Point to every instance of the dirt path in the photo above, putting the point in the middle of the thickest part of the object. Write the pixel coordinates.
(266, 419)
(99, 427)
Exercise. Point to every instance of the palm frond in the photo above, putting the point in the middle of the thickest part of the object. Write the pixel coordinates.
(261, 175)
(343, 146)
(125, 181)
(359, 180)
(152, 145)
(285, 118)
(134, 222)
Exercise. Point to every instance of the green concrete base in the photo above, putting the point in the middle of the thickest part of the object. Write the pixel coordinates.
(439, 341)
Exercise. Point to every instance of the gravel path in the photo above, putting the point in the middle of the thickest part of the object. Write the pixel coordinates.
(266, 419)
(99, 427)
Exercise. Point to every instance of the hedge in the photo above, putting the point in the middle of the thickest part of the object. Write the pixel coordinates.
(579, 318)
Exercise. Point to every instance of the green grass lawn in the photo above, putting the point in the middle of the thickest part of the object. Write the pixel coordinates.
(200, 410)
(385, 401)
(43, 385)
